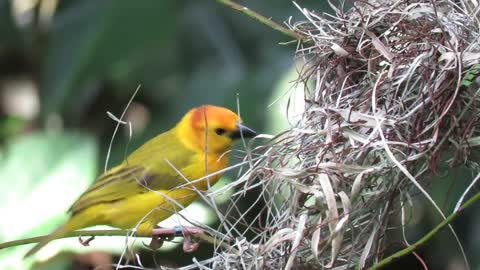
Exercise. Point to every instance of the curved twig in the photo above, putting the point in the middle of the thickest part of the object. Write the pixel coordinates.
(397, 255)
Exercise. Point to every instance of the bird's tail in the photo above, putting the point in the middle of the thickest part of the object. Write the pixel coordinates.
(74, 223)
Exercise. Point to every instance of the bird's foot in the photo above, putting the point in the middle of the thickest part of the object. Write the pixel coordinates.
(167, 234)
(189, 245)
(85, 242)
(156, 242)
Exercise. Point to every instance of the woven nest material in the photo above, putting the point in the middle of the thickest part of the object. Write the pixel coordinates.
(386, 99)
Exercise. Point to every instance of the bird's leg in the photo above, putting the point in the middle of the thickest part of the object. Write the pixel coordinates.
(168, 234)
(189, 245)
(156, 242)
(85, 242)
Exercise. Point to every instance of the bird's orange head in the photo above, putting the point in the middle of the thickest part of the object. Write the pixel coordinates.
(212, 126)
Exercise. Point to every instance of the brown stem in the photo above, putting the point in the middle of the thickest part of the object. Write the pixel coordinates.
(262, 19)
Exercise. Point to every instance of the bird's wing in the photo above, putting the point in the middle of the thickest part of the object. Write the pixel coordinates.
(130, 179)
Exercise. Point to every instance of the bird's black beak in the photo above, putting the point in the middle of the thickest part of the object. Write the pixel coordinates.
(243, 131)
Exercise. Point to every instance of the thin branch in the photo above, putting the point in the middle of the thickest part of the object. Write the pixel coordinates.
(202, 237)
(262, 19)
(428, 236)
(69, 235)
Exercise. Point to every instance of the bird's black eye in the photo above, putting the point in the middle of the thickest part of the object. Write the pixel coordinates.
(219, 131)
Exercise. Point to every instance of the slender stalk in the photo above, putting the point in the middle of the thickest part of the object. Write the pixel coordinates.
(69, 235)
(202, 237)
(397, 255)
(262, 19)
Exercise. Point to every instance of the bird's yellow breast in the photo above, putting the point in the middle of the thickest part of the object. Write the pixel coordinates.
(203, 165)
(145, 210)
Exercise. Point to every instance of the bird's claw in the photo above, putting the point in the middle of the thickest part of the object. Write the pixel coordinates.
(156, 242)
(189, 245)
(85, 242)
(161, 234)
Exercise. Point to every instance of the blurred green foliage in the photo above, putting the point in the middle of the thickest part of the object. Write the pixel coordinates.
(86, 57)
(41, 175)
(91, 40)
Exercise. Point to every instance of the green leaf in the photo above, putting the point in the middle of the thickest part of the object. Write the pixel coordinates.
(42, 174)
(471, 75)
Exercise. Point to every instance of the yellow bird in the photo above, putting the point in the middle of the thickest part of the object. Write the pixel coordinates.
(154, 180)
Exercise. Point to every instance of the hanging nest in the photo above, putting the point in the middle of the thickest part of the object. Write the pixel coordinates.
(390, 92)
